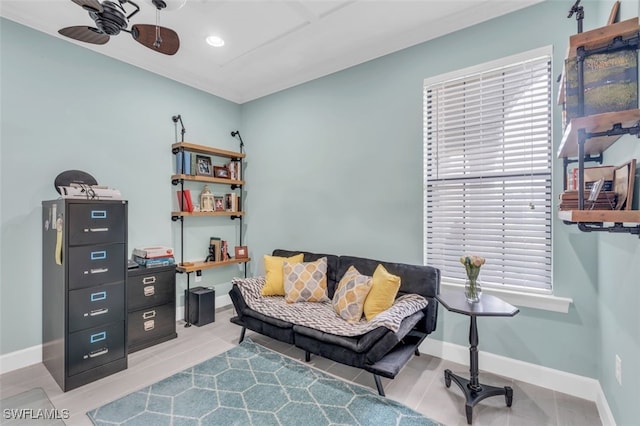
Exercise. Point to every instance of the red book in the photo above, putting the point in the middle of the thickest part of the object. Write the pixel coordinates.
(184, 200)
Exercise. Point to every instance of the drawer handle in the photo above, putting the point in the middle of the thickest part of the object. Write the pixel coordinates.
(97, 352)
(96, 229)
(149, 314)
(149, 290)
(98, 337)
(98, 214)
(97, 312)
(99, 270)
(149, 280)
(101, 295)
(99, 255)
(149, 325)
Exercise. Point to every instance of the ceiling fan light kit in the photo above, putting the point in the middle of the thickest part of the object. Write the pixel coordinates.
(111, 18)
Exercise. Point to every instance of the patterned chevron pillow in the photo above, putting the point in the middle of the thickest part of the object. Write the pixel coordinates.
(306, 281)
(353, 288)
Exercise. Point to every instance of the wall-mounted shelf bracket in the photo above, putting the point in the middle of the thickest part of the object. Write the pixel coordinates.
(176, 181)
(617, 228)
(234, 217)
(618, 43)
(176, 218)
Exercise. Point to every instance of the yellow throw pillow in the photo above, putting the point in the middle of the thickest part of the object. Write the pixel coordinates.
(348, 302)
(274, 275)
(382, 294)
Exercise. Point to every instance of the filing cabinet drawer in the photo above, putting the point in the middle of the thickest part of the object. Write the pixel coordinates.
(149, 287)
(97, 223)
(95, 346)
(93, 306)
(97, 264)
(151, 324)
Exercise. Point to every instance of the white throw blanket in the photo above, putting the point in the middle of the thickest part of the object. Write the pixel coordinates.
(321, 316)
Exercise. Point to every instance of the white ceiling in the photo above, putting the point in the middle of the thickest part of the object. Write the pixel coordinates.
(270, 44)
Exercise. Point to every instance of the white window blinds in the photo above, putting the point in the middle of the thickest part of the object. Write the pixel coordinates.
(487, 173)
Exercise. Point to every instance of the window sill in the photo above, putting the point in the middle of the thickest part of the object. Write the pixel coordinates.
(545, 302)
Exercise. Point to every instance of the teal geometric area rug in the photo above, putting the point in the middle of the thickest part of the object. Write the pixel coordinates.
(252, 385)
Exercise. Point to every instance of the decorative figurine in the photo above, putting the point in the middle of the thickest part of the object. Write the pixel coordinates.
(206, 200)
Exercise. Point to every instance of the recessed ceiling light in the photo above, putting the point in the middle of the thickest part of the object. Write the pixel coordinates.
(215, 41)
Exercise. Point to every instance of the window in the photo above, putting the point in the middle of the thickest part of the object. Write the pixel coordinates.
(487, 171)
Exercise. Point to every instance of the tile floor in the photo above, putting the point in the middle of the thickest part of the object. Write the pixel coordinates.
(420, 385)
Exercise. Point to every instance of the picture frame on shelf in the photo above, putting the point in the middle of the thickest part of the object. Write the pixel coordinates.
(203, 166)
(241, 252)
(220, 172)
(623, 181)
(218, 201)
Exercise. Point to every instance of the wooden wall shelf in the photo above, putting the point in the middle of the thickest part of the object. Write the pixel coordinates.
(595, 123)
(175, 179)
(192, 214)
(601, 37)
(203, 149)
(201, 266)
(600, 216)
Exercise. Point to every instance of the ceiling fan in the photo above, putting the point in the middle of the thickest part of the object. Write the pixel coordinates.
(111, 18)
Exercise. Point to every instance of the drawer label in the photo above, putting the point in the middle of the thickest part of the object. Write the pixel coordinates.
(99, 255)
(100, 295)
(98, 337)
(98, 214)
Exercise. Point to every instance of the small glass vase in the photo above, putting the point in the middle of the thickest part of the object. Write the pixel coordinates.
(472, 290)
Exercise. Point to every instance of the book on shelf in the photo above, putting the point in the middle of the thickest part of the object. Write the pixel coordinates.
(606, 200)
(152, 252)
(224, 255)
(184, 200)
(234, 169)
(232, 202)
(183, 163)
(215, 248)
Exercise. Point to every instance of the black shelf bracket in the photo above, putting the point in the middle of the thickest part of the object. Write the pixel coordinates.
(176, 218)
(615, 228)
(174, 182)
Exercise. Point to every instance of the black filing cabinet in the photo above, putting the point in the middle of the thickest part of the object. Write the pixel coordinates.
(84, 271)
(151, 300)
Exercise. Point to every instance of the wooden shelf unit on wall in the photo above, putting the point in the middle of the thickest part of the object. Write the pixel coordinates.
(586, 138)
(189, 267)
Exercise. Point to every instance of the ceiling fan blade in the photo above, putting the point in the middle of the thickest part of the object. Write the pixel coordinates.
(145, 34)
(84, 33)
(90, 5)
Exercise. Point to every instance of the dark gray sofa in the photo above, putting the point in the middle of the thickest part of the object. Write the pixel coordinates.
(380, 351)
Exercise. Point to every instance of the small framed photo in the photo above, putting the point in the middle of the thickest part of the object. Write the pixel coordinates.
(203, 166)
(220, 172)
(242, 252)
(219, 203)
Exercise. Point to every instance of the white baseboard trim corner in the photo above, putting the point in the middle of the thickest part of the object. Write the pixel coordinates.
(557, 380)
(606, 416)
(20, 359)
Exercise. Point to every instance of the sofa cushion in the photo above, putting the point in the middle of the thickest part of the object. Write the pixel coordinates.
(273, 268)
(348, 301)
(383, 292)
(306, 281)
(321, 316)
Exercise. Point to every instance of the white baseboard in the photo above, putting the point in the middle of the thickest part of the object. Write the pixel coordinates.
(20, 359)
(606, 416)
(560, 381)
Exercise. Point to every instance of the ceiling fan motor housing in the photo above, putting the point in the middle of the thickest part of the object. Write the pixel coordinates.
(111, 20)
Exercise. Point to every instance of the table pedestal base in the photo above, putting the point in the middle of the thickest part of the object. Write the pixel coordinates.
(475, 394)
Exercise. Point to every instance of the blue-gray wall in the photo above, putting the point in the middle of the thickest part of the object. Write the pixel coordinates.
(66, 107)
(334, 165)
